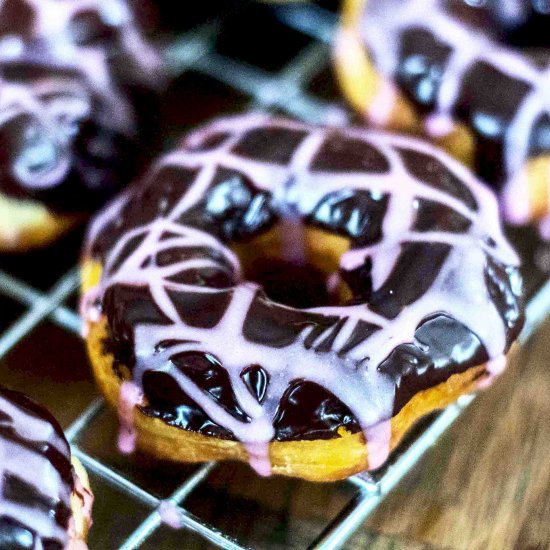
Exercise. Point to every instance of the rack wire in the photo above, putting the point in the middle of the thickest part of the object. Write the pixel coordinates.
(286, 90)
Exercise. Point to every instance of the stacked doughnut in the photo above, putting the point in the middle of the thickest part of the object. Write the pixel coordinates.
(77, 99)
(473, 76)
(420, 301)
(45, 498)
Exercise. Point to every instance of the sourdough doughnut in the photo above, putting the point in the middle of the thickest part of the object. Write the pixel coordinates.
(78, 88)
(46, 501)
(457, 73)
(419, 302)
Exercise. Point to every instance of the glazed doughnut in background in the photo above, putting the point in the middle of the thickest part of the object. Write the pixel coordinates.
(78, 101)
(46, 500)
(445, 69)
(295, 296)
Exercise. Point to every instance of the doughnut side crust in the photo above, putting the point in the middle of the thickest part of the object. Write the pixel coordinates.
(317, 460)
(28, 224)
(81, 504)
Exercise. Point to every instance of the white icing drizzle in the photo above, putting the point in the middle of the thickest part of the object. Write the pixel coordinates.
(382, 25)
(33, 468)
(459, 289)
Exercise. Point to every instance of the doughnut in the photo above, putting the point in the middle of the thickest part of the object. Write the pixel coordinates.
(46, 501)
(295, 296)
(472, 76)
(78, 93)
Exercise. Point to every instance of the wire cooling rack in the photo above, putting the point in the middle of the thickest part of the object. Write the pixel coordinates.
(216, 70)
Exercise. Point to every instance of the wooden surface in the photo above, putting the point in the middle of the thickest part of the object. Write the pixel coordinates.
(486, 485)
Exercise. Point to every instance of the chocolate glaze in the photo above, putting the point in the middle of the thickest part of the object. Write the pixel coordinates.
(354, 214)
(37, 477)
(236, 197)
(443, 347)
(80, 100)
(421, 69)
(285, 282)
(490, 119)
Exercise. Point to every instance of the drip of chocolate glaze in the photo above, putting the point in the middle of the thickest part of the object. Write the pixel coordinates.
(357, 215)
(257, 380)
(37, 477)
(247, 349)
(167, 401)
(233, 209)
(488, 118)
(421, 69)
(412, 276)
(442, 347)
(128, 306)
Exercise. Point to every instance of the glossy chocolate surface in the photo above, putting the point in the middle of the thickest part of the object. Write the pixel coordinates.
(203, 284)
(79, 100)
(36, 475)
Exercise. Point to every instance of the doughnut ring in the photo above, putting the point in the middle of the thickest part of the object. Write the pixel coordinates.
(420, 298)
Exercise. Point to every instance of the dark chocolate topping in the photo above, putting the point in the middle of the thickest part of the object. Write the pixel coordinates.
(521, 22)
(421, 69)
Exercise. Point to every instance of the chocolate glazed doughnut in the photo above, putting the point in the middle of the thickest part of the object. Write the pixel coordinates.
(45, 500)
(78, 93)
(419, 300)
(474, 79)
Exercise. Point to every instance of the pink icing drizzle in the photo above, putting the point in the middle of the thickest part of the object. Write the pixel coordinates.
(544, 228)
(378, 443)
(258, 457)
(458, 290)
(169, 514)
(129, 397)
(495, 367)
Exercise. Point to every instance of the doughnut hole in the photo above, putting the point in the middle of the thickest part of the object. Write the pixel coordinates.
(296, 265)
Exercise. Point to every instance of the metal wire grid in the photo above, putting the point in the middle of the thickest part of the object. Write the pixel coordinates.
(286, 91)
